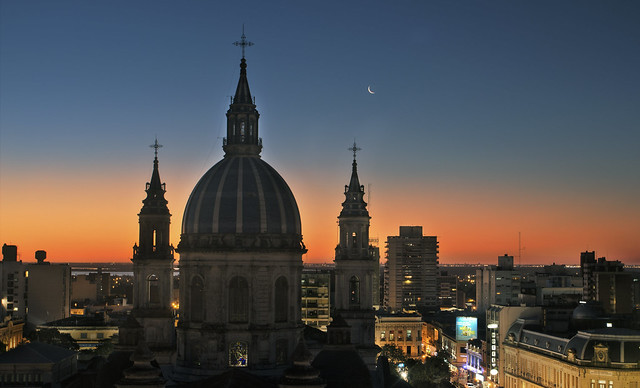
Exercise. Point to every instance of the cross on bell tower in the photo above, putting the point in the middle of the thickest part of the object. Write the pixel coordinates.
(353, 148)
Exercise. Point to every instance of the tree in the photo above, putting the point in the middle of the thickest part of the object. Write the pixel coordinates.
(434, 372)
(54, 337)
(394, 354)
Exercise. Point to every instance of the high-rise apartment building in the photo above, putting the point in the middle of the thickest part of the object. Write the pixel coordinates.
(36, 292)
(590, 268)
(316, 307)
(411, 270)
(498, 285)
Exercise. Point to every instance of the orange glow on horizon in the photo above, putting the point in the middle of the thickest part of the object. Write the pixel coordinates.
(88, 217)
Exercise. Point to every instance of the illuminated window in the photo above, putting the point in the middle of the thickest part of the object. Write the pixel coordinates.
(354, 291)
(238, 354)
(382, 336)
(238, 300)
(282, 299)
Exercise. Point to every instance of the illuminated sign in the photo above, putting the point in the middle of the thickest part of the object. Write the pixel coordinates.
(466, 328)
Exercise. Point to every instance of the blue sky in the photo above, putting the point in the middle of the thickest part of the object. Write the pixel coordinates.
(513, 108)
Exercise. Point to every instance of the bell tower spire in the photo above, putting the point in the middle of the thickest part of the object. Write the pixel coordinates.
(357, 268)
(242, 116)
(153, 264)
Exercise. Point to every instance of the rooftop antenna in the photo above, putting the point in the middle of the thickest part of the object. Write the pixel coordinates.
(520, 249)
(243, 42)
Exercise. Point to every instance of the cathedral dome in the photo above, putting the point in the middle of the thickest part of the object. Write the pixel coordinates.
(241, 195)
(241, 202)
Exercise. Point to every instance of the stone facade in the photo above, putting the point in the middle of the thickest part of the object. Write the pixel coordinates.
(401, 330)
(240, 259)
(357, 269)
(153, 270)
(603, 358)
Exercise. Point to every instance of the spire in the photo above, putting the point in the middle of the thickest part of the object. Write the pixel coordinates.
(354, 204)
(354, 184)
(242, 116)
(243, 94)
(155, 189)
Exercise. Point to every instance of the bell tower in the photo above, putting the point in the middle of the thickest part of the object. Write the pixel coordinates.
(153, 266)
(357, 268)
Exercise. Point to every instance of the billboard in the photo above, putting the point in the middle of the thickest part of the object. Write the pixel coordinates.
(466, 328)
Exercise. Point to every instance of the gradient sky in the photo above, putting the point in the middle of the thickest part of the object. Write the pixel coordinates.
(489, 118)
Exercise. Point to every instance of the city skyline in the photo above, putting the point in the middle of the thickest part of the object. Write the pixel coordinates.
(488, 120)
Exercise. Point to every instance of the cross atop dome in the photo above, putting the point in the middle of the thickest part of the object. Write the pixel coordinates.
(243, 42)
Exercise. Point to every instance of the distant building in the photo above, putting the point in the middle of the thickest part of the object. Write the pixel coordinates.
(498, 285)
(49, 292)
(87, 331)
(316, 307)
(91, 288)
(615, 291)
(448, 290)
(14, 284)
(475, 365)
(34, 292)
(499, 320)
(37, 364)
(411, 270)
(455, 351)
(602, 358)
(403, 330)
(589, 267)
(11, 333)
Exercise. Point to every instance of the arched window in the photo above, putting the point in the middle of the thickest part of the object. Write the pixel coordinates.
(238, 300)
(238, 354)
(153, 292)
(197, 299)
(354, 291)
(282, 299)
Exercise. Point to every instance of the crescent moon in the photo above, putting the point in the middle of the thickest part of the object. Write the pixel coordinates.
(370, 91)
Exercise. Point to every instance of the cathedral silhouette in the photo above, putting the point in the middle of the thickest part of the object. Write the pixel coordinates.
(239, 320)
